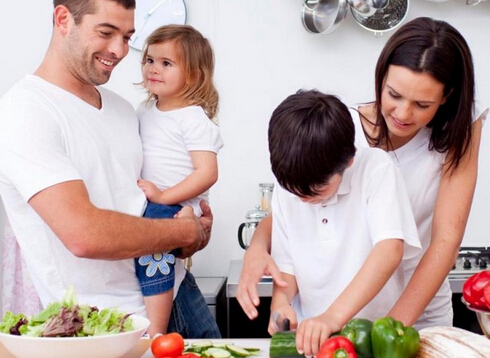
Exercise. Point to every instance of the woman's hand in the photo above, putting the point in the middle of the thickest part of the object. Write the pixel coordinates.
(256, 263)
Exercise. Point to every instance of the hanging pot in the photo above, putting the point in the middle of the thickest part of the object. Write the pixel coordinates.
(385, 19)
(367, 7)
(323, 16)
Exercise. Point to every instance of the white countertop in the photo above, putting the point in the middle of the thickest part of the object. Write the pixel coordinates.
(142, 350)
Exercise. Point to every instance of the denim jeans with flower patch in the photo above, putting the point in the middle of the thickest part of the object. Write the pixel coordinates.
(156, 272)
(191, 316)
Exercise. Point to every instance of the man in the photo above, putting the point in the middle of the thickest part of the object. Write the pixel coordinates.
(70, 157)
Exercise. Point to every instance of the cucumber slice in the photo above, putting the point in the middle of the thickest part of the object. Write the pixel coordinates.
(216, 353)
(237, 351)
(252, 350)
(199, 346)
(202, 344)
(221, 345)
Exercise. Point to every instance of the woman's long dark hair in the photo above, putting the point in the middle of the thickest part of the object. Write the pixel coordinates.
(429, 46)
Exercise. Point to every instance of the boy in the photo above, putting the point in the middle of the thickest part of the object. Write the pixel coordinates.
(341, 218)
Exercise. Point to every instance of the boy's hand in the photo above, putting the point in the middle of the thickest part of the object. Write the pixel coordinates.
(151, 190)
(311, 334)
(285, 312)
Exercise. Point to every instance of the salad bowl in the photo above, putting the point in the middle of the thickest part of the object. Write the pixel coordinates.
(103, 346)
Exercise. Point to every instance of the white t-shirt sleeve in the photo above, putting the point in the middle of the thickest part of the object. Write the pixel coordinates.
(389, 211)
(33, 144)
(280, 248)
(201, 134)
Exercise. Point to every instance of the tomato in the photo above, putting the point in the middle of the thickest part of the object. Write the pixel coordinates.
(168, 345)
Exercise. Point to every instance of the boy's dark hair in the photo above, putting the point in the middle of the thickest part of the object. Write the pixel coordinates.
(80, 8)
(311, 138)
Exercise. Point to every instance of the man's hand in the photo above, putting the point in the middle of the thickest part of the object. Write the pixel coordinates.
(256, 263)
(202, 228)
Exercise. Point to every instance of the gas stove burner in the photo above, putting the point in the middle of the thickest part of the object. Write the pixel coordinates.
(471, 260)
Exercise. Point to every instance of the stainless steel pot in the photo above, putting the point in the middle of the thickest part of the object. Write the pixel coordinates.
(385, 19)
(323, 16)
(367, 7)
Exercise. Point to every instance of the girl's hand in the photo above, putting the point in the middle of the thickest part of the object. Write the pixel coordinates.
(311, 334)
(286, 312)
(151, 190)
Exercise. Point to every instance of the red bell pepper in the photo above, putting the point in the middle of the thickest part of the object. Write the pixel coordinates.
(486, 295)
(473, 289)
(337, 347)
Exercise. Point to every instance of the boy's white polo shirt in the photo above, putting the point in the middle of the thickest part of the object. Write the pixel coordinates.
(324, 245)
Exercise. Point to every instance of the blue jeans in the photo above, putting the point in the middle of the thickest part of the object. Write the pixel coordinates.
(191, 317)
(156, 272)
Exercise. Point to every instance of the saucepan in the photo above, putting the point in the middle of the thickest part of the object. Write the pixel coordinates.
(383, 19)
(323, 16)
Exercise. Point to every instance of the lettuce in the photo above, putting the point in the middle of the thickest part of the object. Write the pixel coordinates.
(67, 319)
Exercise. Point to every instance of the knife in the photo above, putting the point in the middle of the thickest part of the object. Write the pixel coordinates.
(280, 323)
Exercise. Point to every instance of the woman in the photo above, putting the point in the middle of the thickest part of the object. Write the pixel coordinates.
(423, 116)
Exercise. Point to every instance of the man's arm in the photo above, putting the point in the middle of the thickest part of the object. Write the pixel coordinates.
(90, 232)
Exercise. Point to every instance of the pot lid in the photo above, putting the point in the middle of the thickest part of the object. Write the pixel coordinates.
(385, 19)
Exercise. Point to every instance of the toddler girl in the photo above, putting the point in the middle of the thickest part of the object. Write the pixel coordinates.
(180, 145)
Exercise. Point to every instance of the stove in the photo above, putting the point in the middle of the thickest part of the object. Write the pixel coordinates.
(470, 261)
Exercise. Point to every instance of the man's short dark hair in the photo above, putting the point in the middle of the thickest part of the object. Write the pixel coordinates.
(80, 8)
(311, 138)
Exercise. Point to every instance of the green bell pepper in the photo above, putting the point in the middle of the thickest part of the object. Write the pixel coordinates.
(358, 331)
(391, 339)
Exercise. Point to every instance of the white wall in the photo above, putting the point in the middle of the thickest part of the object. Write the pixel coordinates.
(263, 54)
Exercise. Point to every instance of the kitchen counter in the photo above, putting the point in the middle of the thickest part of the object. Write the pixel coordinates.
(142, 350)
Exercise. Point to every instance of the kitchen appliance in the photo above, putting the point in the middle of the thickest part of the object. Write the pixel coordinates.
(323, 16)
(470, 261)
(247, 229)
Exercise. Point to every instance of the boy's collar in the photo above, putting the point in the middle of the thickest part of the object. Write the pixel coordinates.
(344, 187)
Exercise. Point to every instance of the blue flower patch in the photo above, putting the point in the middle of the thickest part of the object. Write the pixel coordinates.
(157, 262)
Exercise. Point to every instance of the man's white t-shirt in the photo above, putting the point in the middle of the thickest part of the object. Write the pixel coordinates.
(50, 136)
(324, 245)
